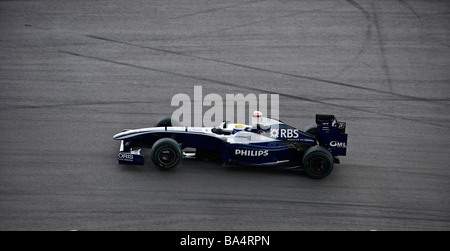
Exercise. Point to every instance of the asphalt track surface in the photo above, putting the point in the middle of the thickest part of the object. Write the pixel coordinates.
(74, 73)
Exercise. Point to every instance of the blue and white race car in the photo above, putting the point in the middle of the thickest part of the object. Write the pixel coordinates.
(267, 142)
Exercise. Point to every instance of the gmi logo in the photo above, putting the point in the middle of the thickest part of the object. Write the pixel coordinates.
(251, 153)
(338, 144)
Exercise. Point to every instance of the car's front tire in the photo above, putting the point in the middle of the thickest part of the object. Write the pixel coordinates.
(166, 154)
(164, 122)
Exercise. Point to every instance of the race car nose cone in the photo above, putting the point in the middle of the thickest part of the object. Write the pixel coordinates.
(117, 136)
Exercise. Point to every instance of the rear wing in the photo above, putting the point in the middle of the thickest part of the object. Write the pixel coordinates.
(332, 133)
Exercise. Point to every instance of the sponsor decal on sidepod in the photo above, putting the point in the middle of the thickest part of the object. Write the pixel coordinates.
(251, 153)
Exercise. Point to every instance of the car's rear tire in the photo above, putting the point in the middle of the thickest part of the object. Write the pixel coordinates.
(317, 162)
(166, 154)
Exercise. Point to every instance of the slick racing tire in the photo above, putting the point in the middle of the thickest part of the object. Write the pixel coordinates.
(317, 162)
(164, 122)
(166, 154)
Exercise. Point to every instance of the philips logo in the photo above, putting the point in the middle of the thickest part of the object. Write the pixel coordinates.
(338, 144)
(251, 153)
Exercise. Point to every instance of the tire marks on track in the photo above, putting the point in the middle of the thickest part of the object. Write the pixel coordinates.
(303, 77)
(381, 44)
(359, 7)
(368, 36)
(408, 6)
(232, 27)
(217, 9)
(229, 84)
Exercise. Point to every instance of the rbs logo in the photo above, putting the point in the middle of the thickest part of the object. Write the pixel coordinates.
(284, 133)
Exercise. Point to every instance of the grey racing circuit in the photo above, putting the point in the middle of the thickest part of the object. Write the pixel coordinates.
(74, 73)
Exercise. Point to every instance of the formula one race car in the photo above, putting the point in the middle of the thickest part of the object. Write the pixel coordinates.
(267, 142)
